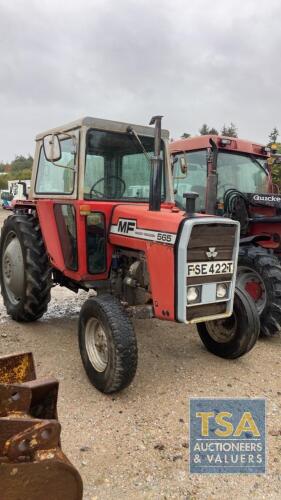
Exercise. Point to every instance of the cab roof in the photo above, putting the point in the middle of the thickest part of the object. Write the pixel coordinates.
(101, 124)
(203, 142)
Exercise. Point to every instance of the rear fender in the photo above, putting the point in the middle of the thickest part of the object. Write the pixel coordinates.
(254, 239)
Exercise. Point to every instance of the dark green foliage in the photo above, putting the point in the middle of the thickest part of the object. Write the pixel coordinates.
(21, 163)
(205, 130)
(276, 166)
(213, 131)
(3, 182)
(20, 168)
(229, 131)
(273, 135)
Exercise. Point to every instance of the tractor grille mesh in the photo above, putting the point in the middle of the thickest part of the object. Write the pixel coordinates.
(203, 237)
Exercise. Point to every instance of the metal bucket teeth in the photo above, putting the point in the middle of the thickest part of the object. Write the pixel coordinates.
(32, 464)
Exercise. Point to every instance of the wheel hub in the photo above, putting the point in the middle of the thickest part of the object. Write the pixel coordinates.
(254, 289)
(96, 344)
(249, 280)
(13, 269)
(222, 330)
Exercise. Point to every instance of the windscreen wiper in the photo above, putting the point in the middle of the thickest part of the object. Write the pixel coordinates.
(132, 132)
(255, 160)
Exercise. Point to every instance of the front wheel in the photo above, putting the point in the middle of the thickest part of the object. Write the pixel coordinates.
(107, 343)
(234, 336)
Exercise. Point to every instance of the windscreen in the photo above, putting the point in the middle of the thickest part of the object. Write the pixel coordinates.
(242, 172)
(117, 166)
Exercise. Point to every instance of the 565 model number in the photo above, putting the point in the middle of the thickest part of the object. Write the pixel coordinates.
(164, 237)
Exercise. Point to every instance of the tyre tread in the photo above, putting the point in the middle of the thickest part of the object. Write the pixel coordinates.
(264, 262)
(126, 352)
(38, 276)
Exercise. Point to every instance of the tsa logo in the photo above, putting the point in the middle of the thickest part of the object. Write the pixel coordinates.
(227, 436)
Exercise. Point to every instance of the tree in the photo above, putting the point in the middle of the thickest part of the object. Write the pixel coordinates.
(185, 135)
(275, 164)
(204, 130)
(213, 131)
(273, 135)
(24, 174)
(3, 182)
(230, 131)
(21, 163)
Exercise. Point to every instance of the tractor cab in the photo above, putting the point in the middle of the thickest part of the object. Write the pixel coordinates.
(84, 171)
(237, 164)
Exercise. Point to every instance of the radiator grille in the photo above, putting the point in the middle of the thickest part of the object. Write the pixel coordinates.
(205, 236)
(198, 238)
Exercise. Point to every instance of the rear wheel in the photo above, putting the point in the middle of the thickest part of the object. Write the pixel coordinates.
(107, 343)
(259, 274)
(25, 273)
(234, 336)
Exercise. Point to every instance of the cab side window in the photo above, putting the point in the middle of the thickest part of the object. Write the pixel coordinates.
(66, 223)
(194, 179)
(56, 179)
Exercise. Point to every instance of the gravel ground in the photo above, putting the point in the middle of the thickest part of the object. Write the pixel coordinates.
(135, 444)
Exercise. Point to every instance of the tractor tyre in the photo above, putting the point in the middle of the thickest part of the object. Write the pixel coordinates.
(25, 273)
(259, 273)
(107, 344)
(234, 336)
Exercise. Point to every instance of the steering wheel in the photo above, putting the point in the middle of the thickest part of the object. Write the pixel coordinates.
(99, 194)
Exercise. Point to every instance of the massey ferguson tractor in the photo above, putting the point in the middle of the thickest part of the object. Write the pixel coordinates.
(232, 177)
(101, 216)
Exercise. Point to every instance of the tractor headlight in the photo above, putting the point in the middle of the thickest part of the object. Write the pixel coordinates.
(193, 294)
(222, 290)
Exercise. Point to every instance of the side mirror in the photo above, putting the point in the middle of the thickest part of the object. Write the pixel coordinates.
(52, 148)
(183, 165)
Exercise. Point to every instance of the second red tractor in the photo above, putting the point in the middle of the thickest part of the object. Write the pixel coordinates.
(232, 177)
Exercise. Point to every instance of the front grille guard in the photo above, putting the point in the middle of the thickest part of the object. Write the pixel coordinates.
(181, 302)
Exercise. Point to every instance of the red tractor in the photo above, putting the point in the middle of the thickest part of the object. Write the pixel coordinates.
(232, 177)
(101, 216)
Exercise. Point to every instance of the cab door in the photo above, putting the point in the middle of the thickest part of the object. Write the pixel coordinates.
(55, 193)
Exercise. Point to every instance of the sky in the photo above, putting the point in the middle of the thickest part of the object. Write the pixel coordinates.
(194, 62)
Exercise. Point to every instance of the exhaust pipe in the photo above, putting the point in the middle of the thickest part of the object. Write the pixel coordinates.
(156, 167)
(212, 179)
(190, 199)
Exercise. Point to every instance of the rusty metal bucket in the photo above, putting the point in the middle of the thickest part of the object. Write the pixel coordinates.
(32, 464)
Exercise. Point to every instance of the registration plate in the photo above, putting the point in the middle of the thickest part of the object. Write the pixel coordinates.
(209, 268)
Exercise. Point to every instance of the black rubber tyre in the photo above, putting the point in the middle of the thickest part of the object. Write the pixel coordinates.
(107, 344)
(234, 336)
(266, 271)
(28, 267)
